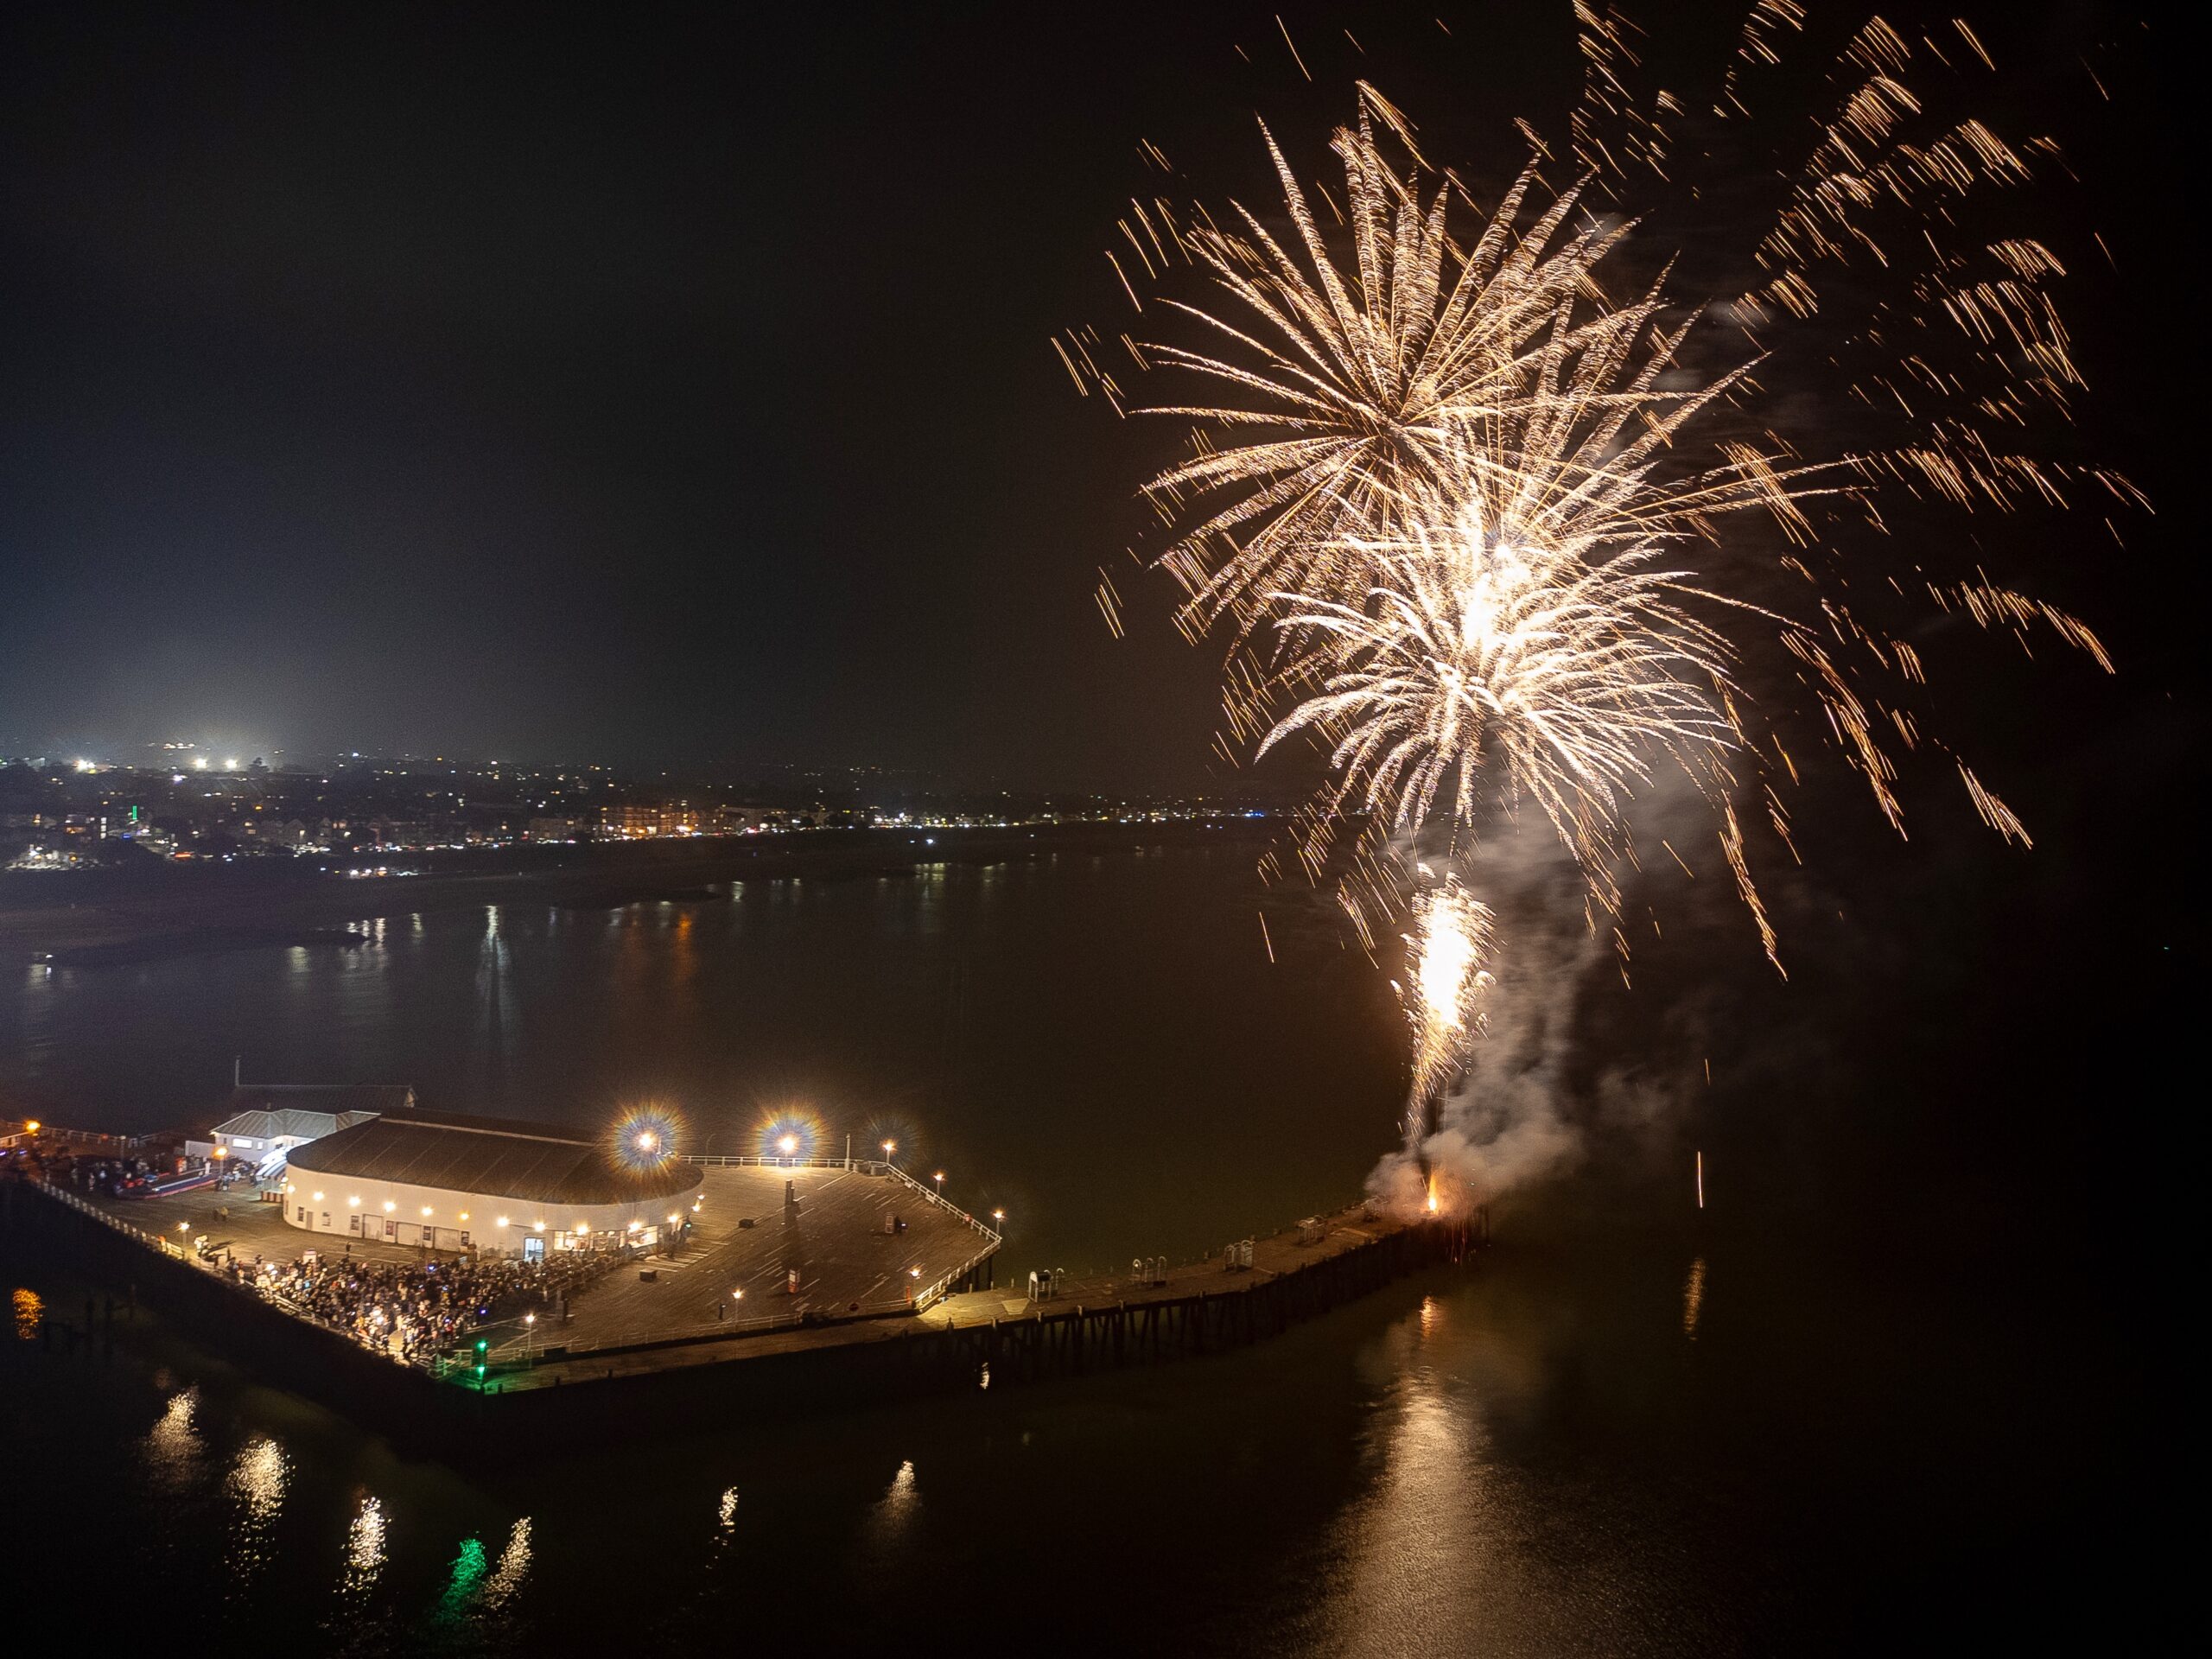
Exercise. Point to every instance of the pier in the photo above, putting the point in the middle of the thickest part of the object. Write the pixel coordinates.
(881, 1312)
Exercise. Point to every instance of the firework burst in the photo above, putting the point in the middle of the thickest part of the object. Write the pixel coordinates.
(1461, 521)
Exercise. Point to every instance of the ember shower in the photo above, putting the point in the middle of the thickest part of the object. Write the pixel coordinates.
(1496, 507)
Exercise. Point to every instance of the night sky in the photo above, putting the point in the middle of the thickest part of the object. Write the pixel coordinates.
(659, 386)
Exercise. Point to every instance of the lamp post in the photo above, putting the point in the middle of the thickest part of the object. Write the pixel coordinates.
(889, 1147)
(529, 1337)
(940, 1186)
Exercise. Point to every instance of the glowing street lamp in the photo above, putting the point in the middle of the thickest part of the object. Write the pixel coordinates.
(889, 1147)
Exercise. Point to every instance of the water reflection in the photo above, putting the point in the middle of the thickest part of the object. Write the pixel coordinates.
(1427, 1510)
(257, 1481)
(30, 1312)
(468, 1569)
(496, 1009)
(171, 1448)
(365, 1551)
(1693, 1298)
(514, 1565)
(893, 1516)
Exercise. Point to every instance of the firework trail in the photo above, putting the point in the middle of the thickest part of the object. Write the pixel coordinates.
(1451, 941)
(1483, 519)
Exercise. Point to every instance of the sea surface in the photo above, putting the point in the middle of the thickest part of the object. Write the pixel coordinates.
(1661, 1435)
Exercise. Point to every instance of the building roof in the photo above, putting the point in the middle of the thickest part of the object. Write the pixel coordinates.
(496, 1157)
(310, 1110)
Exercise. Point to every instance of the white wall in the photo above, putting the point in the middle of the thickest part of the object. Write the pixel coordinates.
(331, 1215)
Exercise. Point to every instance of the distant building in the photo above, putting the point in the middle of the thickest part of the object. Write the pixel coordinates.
(636, 820)
(629, 822)
(569, 827)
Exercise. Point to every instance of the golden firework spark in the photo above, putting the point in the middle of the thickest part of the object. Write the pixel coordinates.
(1450, 943)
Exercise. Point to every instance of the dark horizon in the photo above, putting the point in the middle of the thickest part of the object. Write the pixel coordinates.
(536, 389)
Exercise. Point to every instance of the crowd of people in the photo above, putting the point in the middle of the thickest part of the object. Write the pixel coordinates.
(417, 1310)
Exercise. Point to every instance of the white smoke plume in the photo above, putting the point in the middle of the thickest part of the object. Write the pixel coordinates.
(1503, 1122)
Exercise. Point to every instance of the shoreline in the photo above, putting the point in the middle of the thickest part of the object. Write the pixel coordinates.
(185, 913)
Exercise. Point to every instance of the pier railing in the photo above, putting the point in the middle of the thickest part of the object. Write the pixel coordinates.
(928, 1194)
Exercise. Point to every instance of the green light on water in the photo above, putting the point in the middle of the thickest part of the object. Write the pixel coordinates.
(468, 1569)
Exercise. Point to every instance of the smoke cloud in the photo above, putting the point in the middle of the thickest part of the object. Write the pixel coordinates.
(1554, 1066)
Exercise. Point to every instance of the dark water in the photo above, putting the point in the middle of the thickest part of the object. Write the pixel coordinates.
(1644, 1438)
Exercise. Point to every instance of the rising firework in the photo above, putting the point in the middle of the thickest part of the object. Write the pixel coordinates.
(1450, 943)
